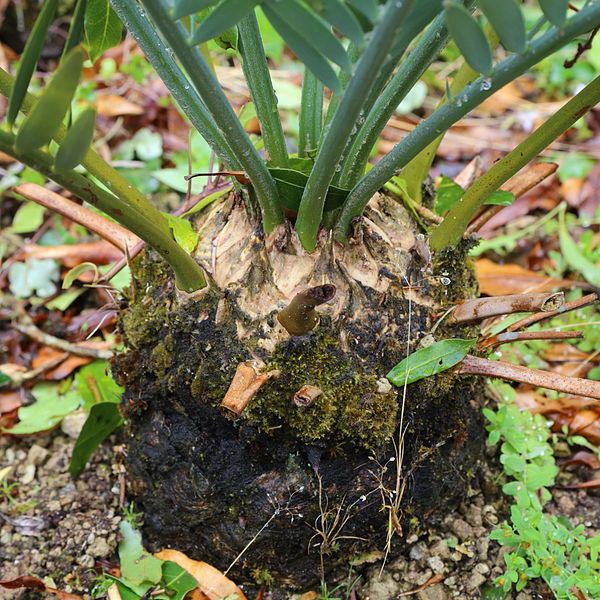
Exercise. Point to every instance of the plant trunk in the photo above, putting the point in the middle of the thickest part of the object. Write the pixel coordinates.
(317, 465)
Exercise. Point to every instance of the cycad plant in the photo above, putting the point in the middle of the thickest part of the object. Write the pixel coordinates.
(263, 432)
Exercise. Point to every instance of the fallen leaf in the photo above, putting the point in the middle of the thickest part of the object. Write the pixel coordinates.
(33, 583)
(583, 457)
(10, 401)
(111, 105)
(210, 580)
(47, 355)
(584, 485)
(498, 280)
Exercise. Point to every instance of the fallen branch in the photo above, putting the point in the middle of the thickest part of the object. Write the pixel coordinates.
(518, 185)
(483, 308)
(30, 330)
(521, 336)
(568, 306)
(472, 365)
(112, 232)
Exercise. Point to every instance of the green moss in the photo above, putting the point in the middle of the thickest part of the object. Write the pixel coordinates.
(350, 408)
(450, 263)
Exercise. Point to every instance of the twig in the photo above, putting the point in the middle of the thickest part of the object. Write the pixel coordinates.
(568, 306)
(581, 48)
(30, 330)
(483, 308)
(520, 336)
(17, 380)
(520, 184)
(472, 365)
(244, 386)
(112, 232)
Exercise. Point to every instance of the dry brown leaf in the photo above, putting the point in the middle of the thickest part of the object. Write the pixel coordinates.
(309, 596)
(34, 583)
(210, 580)
(110, 105)
(567, 353)
(583, 457)
(498, 280)
(10, 401)
(585, 485)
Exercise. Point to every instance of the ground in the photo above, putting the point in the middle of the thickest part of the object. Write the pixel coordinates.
(75, 527)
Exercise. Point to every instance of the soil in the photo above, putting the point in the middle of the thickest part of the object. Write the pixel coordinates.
(73, 527)
(52, 526)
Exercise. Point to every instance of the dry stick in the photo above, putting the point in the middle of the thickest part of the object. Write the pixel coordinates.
(30, 330)
(568, 306)
(520, 336)
(112, 232)
(472, 365)
(518, 185)
(483, 308)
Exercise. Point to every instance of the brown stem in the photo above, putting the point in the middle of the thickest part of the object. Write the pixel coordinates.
(520, 336)
(112, 232)
(568, 306)
(518, 185)
(300, 316)
(483, 308)
(472, 365)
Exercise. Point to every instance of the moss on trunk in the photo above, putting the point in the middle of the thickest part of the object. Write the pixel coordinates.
(320, 473)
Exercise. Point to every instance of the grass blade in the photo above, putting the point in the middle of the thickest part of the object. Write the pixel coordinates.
(311, 114)
(76, 28)
(343, 19)
(184, 8)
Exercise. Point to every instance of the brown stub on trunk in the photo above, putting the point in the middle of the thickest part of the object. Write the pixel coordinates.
(306, 395)
(244, 386)
(300, 316)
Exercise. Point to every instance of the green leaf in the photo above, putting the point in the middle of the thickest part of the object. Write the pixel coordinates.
(507, 20)
(206, 201)
(311, 57)
(500, 198)
(574, 257)
(555, 11)
(447, 195)
(311, 29)
(227, 14)
(4, 379)
(29, 217)
(95, 385)
(369, 8)
(103, 419)
(47, 411)
(76, 28)
(29, 59)
(436, 358)
(183, 8)
(183, 232)
(469, 38)
(137, 565)
(343, 19)
(34, 276)
(291, 183)
(177, 579)
(75, 272)
(47, 115)
(103, 27)
(77, 141)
